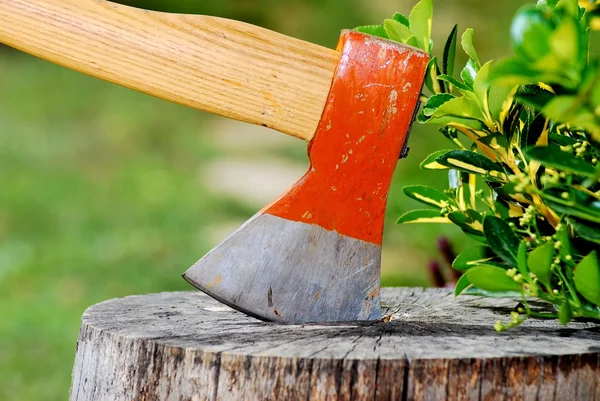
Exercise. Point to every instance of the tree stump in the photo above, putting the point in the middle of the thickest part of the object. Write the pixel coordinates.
(187, 346)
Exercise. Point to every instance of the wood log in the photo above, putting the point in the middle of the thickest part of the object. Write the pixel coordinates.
(187, 346)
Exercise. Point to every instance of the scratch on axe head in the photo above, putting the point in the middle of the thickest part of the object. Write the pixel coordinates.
(314, 254)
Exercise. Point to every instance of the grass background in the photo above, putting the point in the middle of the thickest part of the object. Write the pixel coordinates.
(103, 191)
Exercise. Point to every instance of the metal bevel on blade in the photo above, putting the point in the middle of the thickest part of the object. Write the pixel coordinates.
(288, 271)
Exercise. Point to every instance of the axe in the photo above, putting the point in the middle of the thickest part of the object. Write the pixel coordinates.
(313, 255)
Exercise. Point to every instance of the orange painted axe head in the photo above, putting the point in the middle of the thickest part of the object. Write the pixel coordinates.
(314, 254)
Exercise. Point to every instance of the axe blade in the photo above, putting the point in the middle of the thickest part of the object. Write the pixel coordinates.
(314, 254)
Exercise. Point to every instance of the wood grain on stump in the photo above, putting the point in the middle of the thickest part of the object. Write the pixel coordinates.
(186, 346)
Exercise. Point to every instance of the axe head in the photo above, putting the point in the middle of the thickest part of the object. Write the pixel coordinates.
(314, 254)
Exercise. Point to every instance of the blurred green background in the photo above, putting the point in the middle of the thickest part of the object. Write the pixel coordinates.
(106, 193)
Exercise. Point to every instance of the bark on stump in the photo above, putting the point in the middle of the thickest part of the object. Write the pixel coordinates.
(186, 346)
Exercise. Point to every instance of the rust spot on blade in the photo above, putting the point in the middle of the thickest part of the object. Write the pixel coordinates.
(277, 313)
(373, 294)
(216, 282)
(318, 296)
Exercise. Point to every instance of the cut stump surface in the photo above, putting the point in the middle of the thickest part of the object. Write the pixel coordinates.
(187, 346)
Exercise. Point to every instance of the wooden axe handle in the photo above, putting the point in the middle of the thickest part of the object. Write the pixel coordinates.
(222, 66)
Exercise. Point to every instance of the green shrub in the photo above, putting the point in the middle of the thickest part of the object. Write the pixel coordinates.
(524, 176)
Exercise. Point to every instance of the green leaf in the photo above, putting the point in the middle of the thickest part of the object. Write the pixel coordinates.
(471, 162)
(561, 140)
(427, 195)
(502, 239)
(588, 231)
(511, 71)
(530, 33)
(430, 163)
(534, 96)
(461, 285)
(455, 82)
(568, 109)
(571, 6)
(422, 216)
(467, 45)
(469, 221)
(502, 208)
(539, 261)
(450, 52)
(469, 73)
(434, 102)
(481, 84)
(586, 120)
(500, 99)
(466, 193)
(471, 257)
(478, 238)
(401, 19)
(508, 193)
(412, 41)
(396, 31)
(565, 313)
(587, 278)
(421, 20)
(454, 121)
(572, 209)
(522, 260)
(432, 70)
(491, 278)
(561, 108)
(375, 30)
(459, 107)
(564, 41)
(491, 294)
(533, 130)
(552, 156)
(591, 308)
